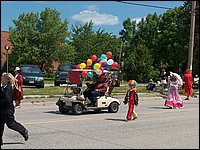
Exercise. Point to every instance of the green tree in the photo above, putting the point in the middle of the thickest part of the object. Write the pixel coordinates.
(87, 42)
(138, 65)
(39, 39)
(148, 31)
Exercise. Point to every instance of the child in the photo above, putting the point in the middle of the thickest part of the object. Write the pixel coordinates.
(174, 100)
(151, 86)
(132, 99)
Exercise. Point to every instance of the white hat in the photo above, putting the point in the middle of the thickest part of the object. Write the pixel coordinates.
(17, 68)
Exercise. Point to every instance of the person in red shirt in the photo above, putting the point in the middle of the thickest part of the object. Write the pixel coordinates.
(18, 91)
(187, 80)
(132, 99)
(99, 89)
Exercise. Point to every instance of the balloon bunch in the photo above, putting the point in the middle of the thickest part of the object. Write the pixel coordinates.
(98, 64)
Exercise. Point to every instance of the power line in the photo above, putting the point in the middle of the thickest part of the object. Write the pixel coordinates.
(132, 3)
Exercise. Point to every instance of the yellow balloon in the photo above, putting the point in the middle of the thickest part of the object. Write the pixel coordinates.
(82, 65)
(97, 66)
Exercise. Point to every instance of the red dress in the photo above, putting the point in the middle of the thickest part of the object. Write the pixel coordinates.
(188, 79)
(18, 93)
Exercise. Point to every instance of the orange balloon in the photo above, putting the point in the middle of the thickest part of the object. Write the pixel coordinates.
(89, 62)
(101, 62)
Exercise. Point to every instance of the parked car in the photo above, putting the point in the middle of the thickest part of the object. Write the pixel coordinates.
(61, 75)
(32, 75)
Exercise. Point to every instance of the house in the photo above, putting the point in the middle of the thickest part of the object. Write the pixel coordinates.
(5, 41)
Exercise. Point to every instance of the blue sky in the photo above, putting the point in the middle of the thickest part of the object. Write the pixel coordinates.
(107, 15)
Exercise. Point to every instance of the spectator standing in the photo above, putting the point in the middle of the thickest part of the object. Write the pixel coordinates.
(163, 77)
(18, 91)
(196, 82)
(187, 80)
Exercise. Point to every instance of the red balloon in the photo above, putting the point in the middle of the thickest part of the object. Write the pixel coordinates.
(87, 67)
(109, 54)
(94, 57)
(78, 66)
(102, 69)
(84, 73)
(115, 65)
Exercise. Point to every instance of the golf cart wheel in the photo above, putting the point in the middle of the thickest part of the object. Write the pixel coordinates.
(62, 109)
(113, 107)
(77, 109)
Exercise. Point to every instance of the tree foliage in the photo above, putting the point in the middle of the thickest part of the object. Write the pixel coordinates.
(165, 38)
(39, 39)
(87, 42)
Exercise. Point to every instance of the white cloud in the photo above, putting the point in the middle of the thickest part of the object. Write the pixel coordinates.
(96, 17)
(91, 7)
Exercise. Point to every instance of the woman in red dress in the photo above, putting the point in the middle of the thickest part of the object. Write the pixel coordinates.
(18, 91)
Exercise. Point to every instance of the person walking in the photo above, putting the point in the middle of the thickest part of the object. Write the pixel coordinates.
(7, 107)
(163, 77)
(188, 80)
(132, 99)
(18, 91)
(174, 100)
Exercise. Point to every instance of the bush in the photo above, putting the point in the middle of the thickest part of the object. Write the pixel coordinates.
(49, 75)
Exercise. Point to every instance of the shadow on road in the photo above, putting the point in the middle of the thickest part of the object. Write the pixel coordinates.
(159, 107)
(11, 143)
(84, 113)
(116, 119)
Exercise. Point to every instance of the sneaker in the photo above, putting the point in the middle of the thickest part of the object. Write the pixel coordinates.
(25, 135)
(187, 98)
(17, 107)
(134, 118)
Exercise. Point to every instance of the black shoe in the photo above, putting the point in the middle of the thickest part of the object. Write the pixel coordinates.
(25, 135)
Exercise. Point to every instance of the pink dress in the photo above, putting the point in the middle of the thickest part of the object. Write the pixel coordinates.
(174, 100)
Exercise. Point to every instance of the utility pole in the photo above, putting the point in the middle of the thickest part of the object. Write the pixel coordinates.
(191, 44)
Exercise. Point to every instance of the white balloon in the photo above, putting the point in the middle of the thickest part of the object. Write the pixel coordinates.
(98, 71)
(110, 61)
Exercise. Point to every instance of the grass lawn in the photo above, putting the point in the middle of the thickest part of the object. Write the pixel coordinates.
(60, 90)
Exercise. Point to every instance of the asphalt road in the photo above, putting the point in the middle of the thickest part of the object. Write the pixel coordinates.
(155, 128)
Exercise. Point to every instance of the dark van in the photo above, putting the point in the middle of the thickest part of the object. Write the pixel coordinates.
(32, 75)
(61, 75)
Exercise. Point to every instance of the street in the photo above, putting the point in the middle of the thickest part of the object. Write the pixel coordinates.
(156, 127)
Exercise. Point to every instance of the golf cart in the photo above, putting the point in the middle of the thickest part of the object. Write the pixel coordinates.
(75, 101)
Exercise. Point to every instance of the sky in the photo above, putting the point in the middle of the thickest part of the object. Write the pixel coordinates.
(106, 15)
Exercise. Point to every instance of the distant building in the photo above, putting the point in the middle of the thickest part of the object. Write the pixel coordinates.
(5, 40)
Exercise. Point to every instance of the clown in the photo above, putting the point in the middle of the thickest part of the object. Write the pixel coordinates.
(187, 80)
(132, 99)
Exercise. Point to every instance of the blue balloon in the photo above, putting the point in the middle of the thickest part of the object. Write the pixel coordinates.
(98, 60)
(103, 56)
(90, 74)
(104, 65)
